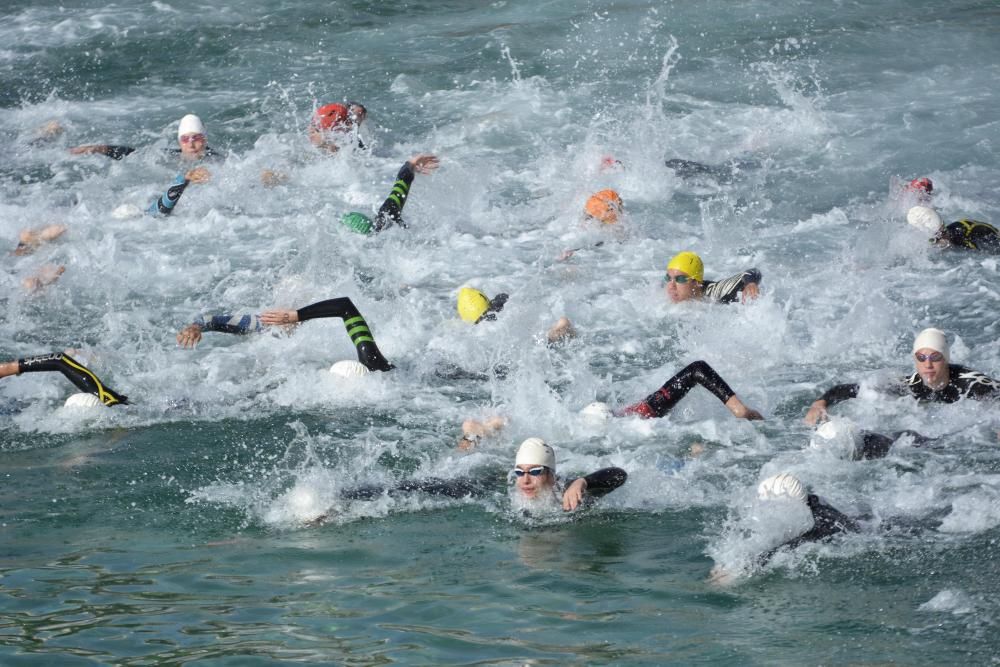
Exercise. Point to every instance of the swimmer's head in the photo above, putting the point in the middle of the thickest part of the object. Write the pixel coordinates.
(784, 485)
(534, 468)
(349, 369)
(925, 219)
(474, 307)
(685, 272)
(357, 222)
(82, 400)
(331, 117)
(191, 136)
(596, 412)
(922, 184)
(604, 206)
(356, 112)
(933, 340)
(837, 436)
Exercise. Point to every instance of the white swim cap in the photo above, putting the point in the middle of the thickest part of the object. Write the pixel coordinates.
(190, 124)
(924, 218)
(82, 401)
(838, 436)
(785, 485)
(933, 339)
(349, 369)
(535, 452)
(597, 412)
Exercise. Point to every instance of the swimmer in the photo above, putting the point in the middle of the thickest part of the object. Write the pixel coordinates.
(826, 519)
(369, 356)
(536, 485)
(81, 376)
(963, 234)
(475, 307)
(656, 405)
(685, 280)
(30, 239)
(391, 211)
(331, 122)
(935, 380)
(192, 142)
(858, 444)
(604, 207)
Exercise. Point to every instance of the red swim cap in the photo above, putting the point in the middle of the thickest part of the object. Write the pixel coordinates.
(330, 116)
(604, 206)
(923, 184)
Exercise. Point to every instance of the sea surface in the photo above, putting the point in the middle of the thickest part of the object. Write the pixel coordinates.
(182, 528)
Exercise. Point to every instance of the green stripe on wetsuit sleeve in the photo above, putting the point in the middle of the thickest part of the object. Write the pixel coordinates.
(358, 330)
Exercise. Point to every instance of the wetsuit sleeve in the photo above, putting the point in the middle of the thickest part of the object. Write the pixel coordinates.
(81, 376)
(164, 205)
(840, 392)
(115, 152)
(974, 384)
(391, 211)
(605, 481)
(728, 290)
(827, 521)
(663, 400)
(231, 324)
(449, 488)
(357, 328)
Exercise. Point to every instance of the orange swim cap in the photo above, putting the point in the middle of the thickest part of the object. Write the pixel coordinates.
(330, 116)
(605, 206)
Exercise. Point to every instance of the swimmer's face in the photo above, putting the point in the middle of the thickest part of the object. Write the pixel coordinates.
(533, 485)
(679, 286)
(357, 114)
(932, 367)
(193, 145)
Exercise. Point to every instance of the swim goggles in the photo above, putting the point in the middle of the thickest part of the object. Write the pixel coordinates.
(536, 471)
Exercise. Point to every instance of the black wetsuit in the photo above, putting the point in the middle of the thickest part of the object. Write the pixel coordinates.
(663, 400)
(827, 521)
(963, 382)
(689, 169)
(75, 372)
(877, 445)
(728, 290)
(118, 152)
(972, 235)
(599, 483)
(391, 211)
(357, 328)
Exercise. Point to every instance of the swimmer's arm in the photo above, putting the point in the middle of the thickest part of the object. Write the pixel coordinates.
(82, 377)
(827, 520)
(241, 325)
(113, 152)
(391, 211)
(833, 395)
(164, 205)
(595, 485)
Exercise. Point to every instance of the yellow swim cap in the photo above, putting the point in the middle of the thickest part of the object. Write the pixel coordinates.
(689, 263)
(604, 206)
(472, 304)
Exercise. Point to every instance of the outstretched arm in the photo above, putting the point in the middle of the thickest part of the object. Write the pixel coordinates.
(113, 152)
(164, 205)
(663, 400)
(357, 328)
(241, 325)
(391, 211)
(75, 372)
(834, 395)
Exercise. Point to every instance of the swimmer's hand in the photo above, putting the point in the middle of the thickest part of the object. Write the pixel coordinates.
(573, 495)
(720, 576)
(88, 149)
(424, 163)
(566, 254)
(279, 316)
(270, 178)
(751, 291)
(741, 411)
(198, 175)
(189, 336)
(817, 412)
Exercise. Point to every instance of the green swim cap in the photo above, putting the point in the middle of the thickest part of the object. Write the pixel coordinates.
(358, 222)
